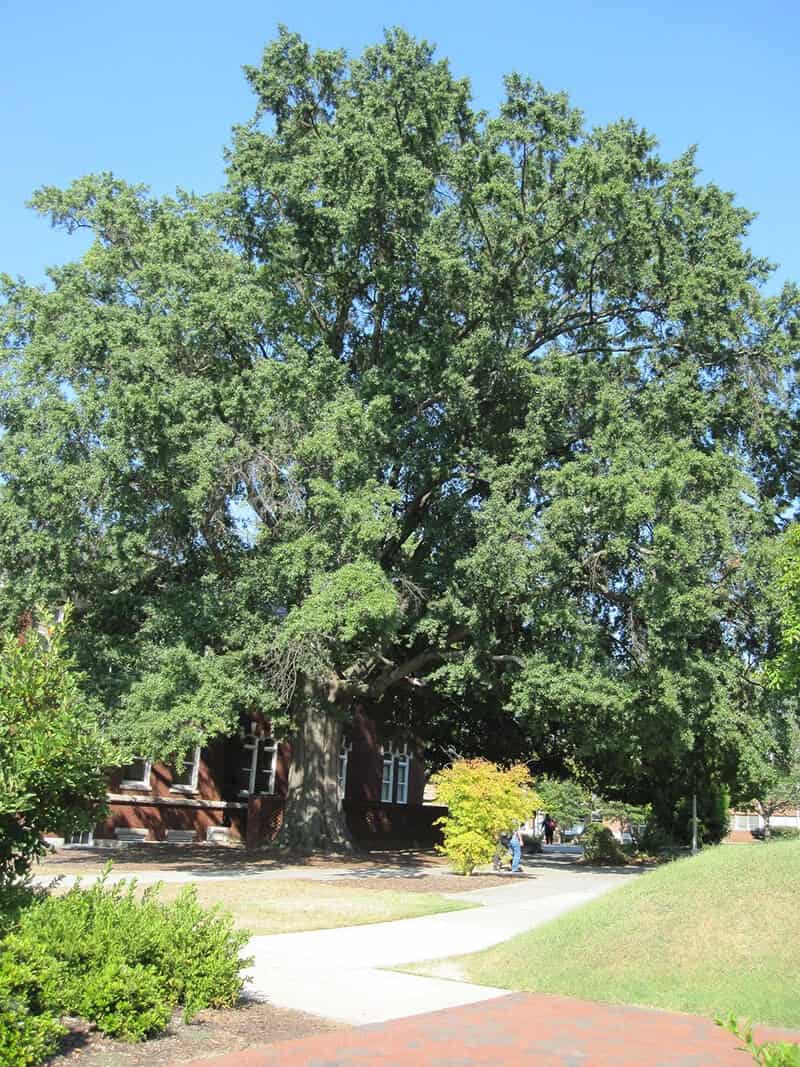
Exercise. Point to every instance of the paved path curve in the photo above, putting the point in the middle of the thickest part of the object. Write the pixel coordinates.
(339, 974)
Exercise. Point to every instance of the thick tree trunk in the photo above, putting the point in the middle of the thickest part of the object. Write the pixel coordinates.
(313, 817)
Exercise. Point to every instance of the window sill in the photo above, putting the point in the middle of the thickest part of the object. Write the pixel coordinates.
(189, 790)
(140, 787)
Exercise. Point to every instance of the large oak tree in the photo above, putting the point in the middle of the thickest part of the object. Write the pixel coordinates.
(479, 422)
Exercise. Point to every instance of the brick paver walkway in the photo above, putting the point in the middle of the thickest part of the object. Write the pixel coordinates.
(520, 1029)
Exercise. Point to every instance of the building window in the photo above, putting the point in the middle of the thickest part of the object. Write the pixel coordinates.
(185, 772)
(344, 758)
(402, 779)
(80, 837)
(136, 774)
(387, 782)
(394, 782)
(257, 773)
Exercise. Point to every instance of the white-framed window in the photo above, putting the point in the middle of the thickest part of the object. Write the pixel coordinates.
(387, 782)
(256, 775)
(746, 821)
(185, 772)
(394, 780)
(344, 759)
(402, 779)
(136, 774)
(80, 837)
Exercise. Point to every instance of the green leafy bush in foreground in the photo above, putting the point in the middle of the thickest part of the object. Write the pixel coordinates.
(28, 1033)
(26, 1039)
(768, 1054)
(121, 962)
(14, 898)
(127, 1002)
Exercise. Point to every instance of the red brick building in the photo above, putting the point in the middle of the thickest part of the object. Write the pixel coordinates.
(235, 789)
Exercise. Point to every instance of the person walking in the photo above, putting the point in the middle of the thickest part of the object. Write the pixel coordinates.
(549, 825)
(516, 851)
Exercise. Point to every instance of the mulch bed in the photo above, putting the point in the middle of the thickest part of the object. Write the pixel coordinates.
(417, 872)
(212, 1033)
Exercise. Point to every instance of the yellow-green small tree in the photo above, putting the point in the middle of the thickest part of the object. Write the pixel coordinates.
(482, 800)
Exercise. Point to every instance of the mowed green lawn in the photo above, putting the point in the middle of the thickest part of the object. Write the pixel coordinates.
(708, 935)
(285, 906)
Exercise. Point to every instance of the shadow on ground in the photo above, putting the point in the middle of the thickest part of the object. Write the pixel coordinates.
(227, 860)
(574, 864)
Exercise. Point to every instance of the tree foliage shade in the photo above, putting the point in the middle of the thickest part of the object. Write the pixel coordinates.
(482, 422)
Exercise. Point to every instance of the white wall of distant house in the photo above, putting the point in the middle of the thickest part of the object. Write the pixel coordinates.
(752, 821)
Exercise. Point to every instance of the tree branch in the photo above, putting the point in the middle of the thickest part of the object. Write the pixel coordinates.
(406, 671)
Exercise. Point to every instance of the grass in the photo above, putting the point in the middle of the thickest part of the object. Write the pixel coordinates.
(263, 906)
(716, 933)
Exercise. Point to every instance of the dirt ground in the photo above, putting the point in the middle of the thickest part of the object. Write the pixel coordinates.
(218, 859)
(212, 1033)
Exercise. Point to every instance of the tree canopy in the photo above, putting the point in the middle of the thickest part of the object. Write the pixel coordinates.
(481, 421)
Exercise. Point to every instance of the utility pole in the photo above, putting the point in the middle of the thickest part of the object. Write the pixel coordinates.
(694, 824)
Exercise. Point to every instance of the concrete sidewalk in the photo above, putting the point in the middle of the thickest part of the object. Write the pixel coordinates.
(517, 1030)
(340, 974)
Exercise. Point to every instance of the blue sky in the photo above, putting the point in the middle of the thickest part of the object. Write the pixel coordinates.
(150, 90)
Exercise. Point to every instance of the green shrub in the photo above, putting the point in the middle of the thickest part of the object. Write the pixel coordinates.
(768, 1054)
(130, 1003)
(778, 833)
(201, 954)
(715, 816)
(26, 1039)
(14, 898)
(784, 833)
(27, 1033)
(656, 839)
(601, 847)
(122, 962)
(27, 974)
